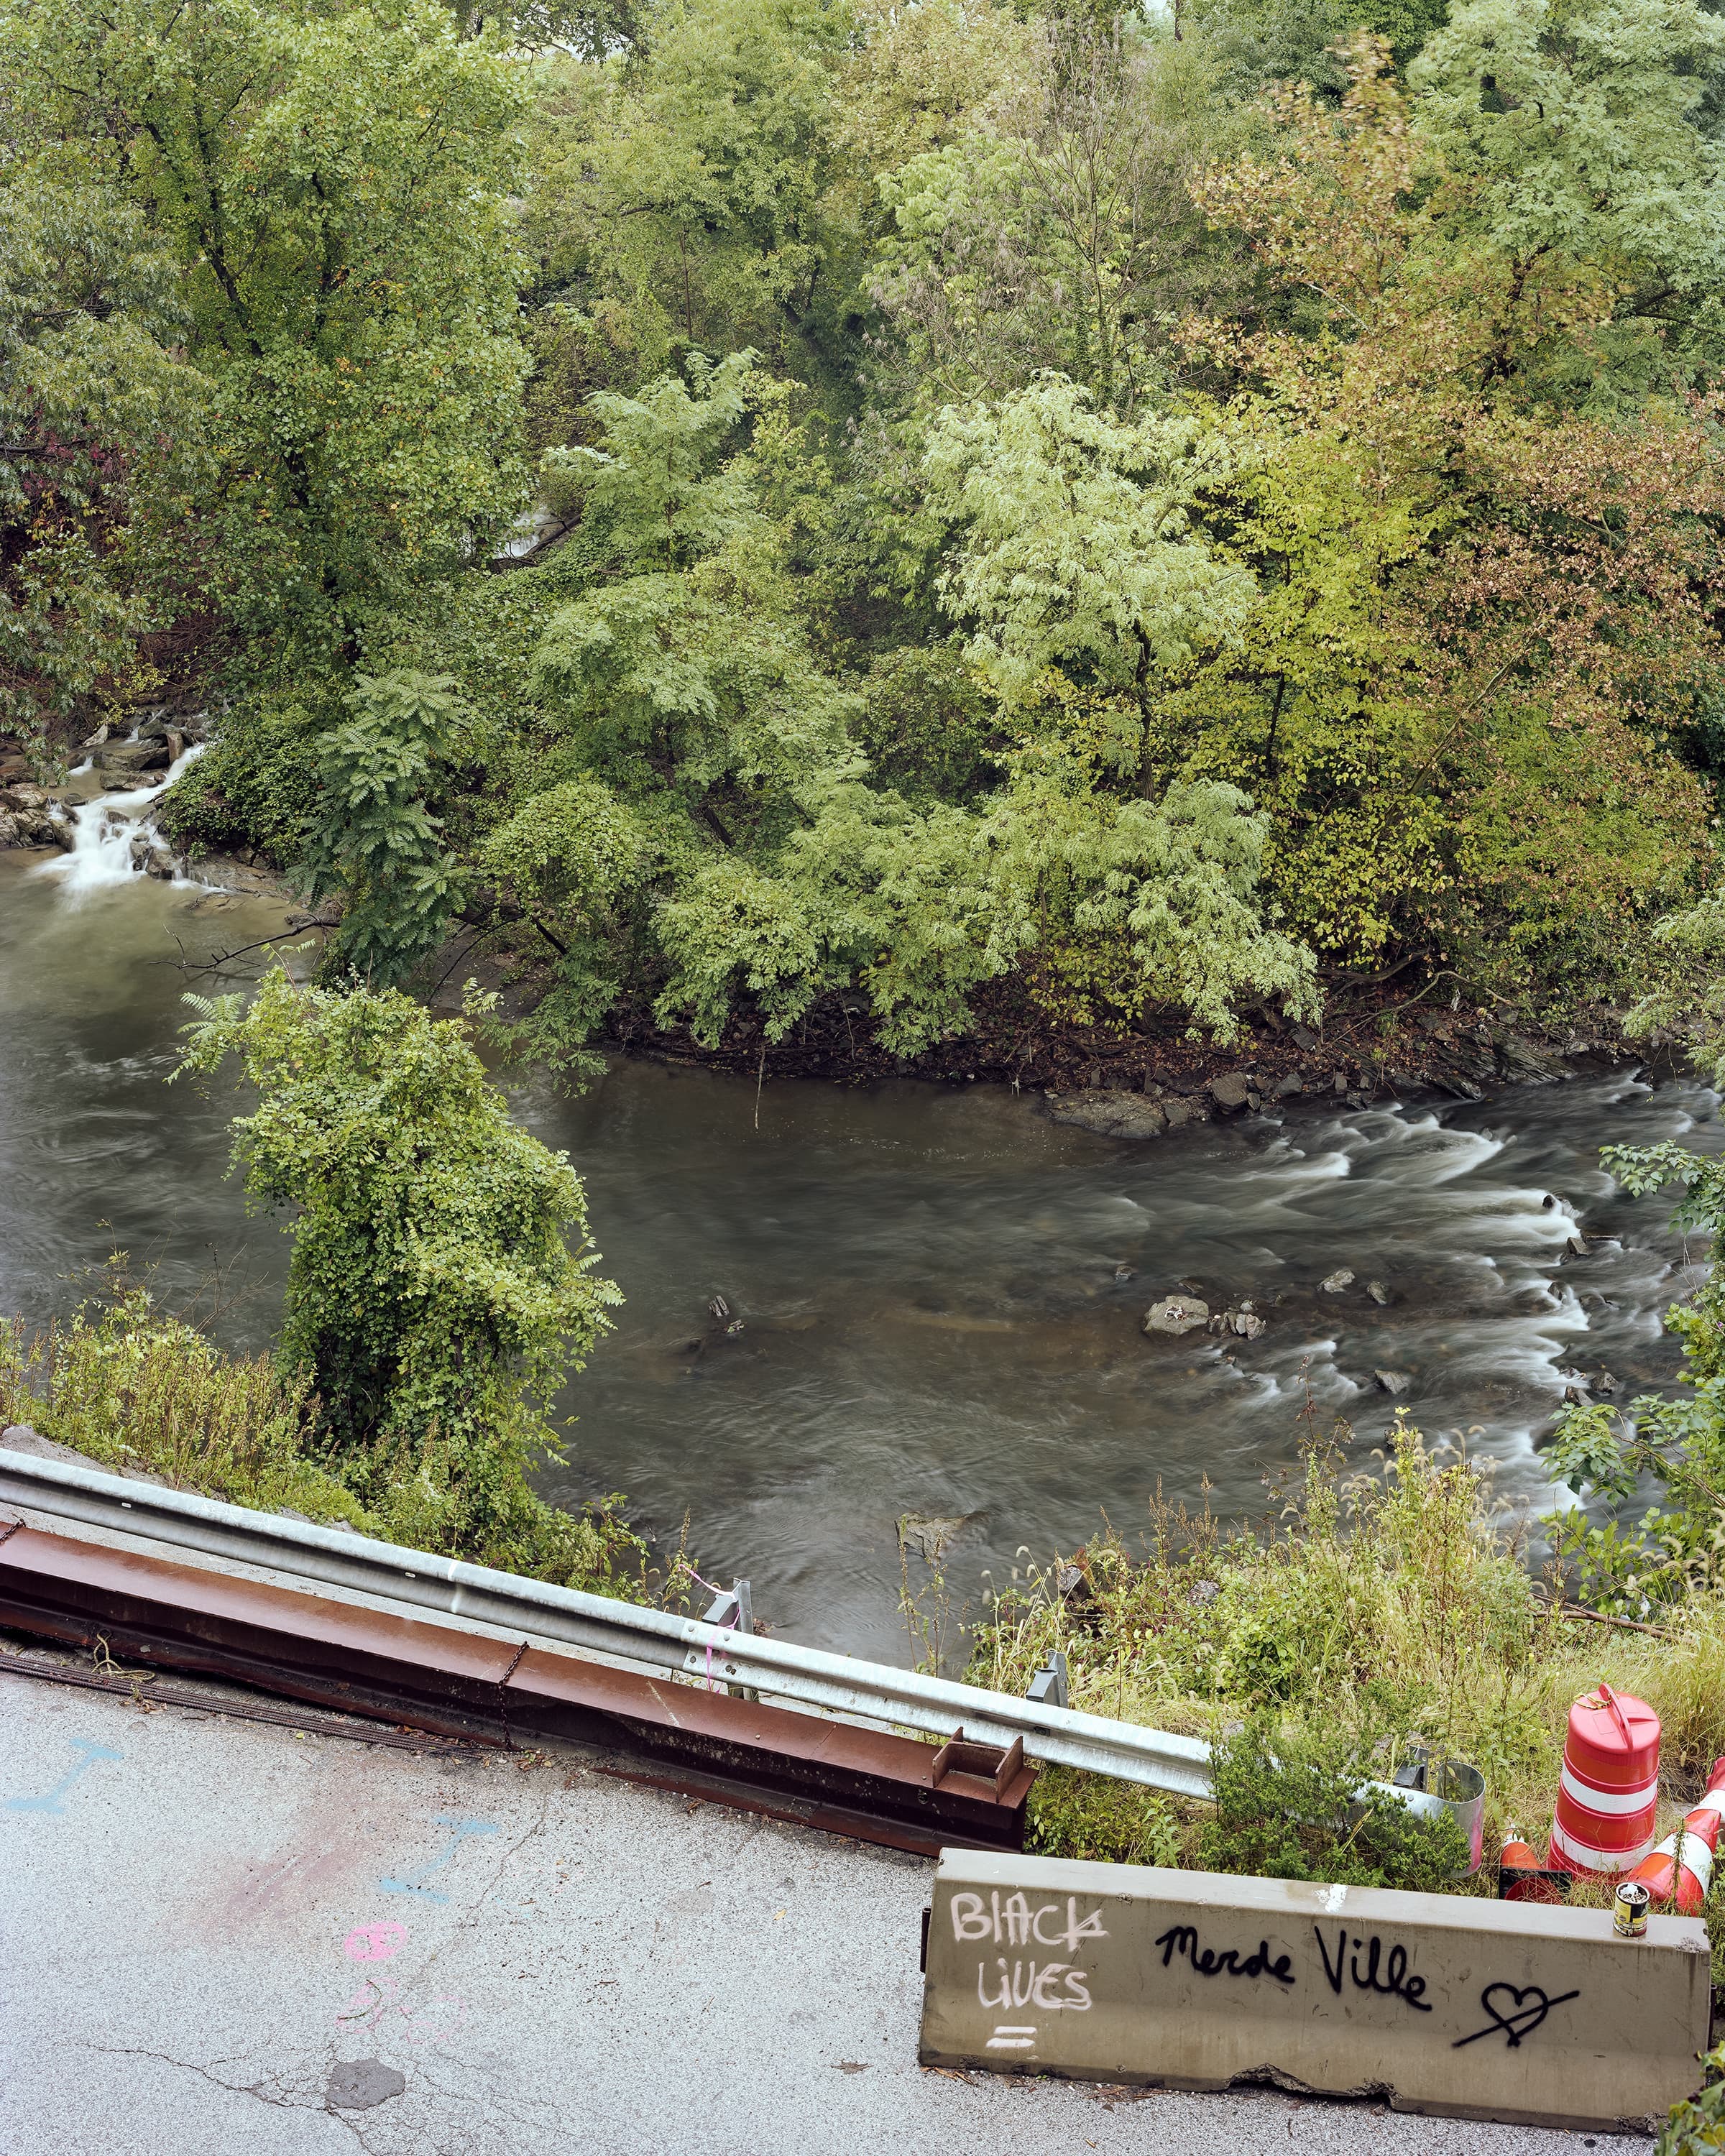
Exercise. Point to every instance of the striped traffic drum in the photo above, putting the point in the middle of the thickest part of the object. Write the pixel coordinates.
(1609, 1793)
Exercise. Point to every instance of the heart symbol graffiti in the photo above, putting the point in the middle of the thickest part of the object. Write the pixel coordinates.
(1528, 2007)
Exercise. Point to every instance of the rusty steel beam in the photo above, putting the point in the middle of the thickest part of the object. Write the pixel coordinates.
(865, 1783)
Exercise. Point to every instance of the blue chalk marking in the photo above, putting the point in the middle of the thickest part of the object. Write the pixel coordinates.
(51, 1802)
(459, 1829)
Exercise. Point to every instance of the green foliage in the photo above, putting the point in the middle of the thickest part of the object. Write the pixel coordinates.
(1373, 1611)
(1099, 1820)
(1696, 2124)
(433, 1302)
(1078, 549)
(141, 1391)
(334, 258)
(102, 428)
(1289, 1807)
(1677, 1444)
(1072, 515)
(137, 1388)
(370, 837)
(1583, 144)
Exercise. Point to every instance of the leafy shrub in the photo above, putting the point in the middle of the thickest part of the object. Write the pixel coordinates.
(1288, 1806)
(1103, 1821)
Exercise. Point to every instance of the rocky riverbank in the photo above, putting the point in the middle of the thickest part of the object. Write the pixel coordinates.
(1385, 1045)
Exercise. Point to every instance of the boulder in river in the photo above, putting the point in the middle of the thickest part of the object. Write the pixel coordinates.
(1379, 1293)
(1337, 1282)
(1176, 1315)
(132, 756)
(1110, 1115)
(1229, 1091)
(1395, 1383)
(32, 827)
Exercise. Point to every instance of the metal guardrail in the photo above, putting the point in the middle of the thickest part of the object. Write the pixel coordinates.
(777, 1669)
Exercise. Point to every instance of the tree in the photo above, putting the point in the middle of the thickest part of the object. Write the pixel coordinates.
(330, 188)
(1056, 231)
(1569, 140)
(1077, 547)
(103, 437)
(434, 1299)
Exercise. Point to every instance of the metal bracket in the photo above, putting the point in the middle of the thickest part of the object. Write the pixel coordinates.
(1048, 1687)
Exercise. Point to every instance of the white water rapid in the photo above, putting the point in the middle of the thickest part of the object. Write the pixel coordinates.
(113, 839)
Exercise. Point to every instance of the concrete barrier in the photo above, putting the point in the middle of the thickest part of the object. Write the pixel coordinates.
(1449, 2004)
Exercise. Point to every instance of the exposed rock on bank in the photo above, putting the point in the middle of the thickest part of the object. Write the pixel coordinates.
(27, 819)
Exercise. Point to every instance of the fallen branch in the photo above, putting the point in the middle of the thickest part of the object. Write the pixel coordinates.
(1599, 1617)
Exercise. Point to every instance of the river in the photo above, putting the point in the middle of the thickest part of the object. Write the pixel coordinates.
(929, 1284)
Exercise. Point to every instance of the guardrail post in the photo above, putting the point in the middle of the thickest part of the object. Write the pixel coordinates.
(733, 1606)
(1049, 1686)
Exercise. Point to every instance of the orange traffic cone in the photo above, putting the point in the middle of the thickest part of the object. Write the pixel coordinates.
(1521, 1875)
(1681, 1869)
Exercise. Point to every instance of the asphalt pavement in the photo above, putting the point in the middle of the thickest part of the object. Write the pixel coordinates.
(221, 1938)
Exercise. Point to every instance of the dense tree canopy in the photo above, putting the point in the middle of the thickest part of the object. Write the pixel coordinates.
(965, 515)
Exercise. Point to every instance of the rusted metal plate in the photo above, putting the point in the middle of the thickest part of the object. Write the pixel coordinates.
(304, 1647)
(862, 1782)
(886, 1778)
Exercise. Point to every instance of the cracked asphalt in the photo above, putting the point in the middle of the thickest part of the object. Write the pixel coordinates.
(219, 1938)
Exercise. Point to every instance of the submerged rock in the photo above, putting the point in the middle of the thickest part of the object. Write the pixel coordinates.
(1110, 1115)
(1177, 1314)
(1379, 1293)
(1337, 1282)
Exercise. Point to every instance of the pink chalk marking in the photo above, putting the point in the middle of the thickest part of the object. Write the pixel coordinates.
(375, 1941)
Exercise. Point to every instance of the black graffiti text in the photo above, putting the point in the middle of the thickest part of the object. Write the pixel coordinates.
(1387, 1975)
(1182, 1939)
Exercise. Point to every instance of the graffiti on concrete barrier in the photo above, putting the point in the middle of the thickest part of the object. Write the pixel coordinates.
(1528, 2007)
(50, 1800)
(1016, 1924)
(1183, 1938)
(1034, 1989)
(1389, 1977)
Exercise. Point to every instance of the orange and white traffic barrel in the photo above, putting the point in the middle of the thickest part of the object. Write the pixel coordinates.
(1682, 1868)
(1608, 1795)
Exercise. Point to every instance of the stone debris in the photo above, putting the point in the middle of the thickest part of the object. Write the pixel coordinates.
(1176, 1315)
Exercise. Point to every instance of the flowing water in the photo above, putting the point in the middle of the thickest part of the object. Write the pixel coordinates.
(927, 1310)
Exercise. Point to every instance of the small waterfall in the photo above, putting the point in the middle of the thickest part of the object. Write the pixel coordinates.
(112, 836)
